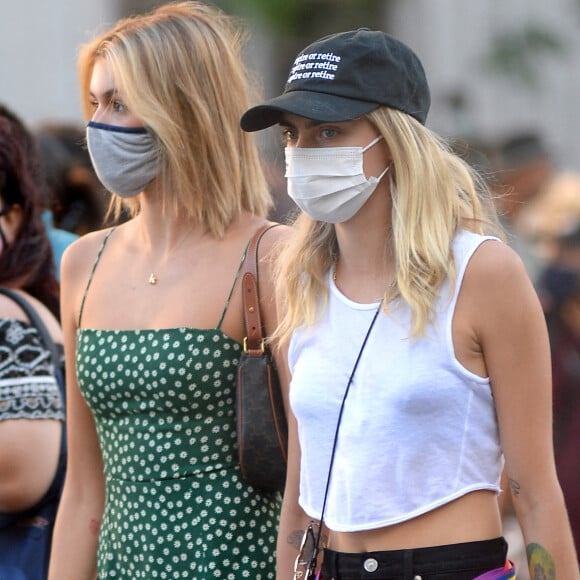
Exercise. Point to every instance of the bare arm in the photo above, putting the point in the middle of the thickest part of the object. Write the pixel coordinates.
(293, 520)
(29, 453)
(74, 547)
(511, 330)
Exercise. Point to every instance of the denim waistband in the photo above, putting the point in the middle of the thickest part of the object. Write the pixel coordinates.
(462, 561)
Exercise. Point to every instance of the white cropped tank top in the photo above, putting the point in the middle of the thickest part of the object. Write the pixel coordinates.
(418, 429)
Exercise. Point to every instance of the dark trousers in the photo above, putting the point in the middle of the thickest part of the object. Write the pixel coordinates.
(450, 562)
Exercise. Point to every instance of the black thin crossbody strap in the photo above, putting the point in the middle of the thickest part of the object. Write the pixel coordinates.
(334, 443)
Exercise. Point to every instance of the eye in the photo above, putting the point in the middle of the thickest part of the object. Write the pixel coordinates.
(118, 106)
(288, 135)
(328, 132)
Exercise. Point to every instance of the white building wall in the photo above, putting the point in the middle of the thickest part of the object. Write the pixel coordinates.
(39, 41)
(451, 37)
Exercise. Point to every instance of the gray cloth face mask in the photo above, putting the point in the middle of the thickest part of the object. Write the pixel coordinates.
(125, 159)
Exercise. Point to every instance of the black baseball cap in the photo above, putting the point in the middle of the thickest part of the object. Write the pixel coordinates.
(346, 75)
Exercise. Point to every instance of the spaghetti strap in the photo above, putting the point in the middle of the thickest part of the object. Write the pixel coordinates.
(106, 238)
(219, 324)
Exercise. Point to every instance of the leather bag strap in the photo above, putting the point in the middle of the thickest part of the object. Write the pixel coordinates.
(254, 337)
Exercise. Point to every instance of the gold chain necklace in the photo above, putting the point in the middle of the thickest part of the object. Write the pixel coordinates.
(153, 278)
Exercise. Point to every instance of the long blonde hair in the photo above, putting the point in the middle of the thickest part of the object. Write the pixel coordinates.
(434, 194)
(180, 70)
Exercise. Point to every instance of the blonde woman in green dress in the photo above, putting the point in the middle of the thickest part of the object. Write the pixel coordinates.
(152, 312)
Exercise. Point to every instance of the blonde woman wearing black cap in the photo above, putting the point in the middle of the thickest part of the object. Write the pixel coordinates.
(400, 422)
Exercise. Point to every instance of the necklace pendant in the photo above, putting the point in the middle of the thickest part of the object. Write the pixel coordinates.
(152, 279)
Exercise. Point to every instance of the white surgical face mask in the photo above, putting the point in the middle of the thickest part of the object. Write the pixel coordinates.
(125, 159)
(328, 183)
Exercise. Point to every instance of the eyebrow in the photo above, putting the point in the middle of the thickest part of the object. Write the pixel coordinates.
(310, 123)
(107, 95)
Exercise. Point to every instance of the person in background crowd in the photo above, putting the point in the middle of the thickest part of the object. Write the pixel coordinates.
(398, 244)
(522, 168)
(31, 407)
(536, 200)
(559, 288)
(25, 259)
(78, 201)
(74, 200)
(152, 311)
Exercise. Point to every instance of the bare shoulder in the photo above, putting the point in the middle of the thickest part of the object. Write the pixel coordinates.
(495, 263)
(77, 264)
(10, 309)
(79, 257)
(273, 239)
(498, 290)
(270, 241)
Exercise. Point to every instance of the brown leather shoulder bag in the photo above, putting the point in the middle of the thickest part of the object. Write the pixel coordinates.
(261, 419)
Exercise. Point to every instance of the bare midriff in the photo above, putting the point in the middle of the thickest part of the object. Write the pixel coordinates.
(470, 518)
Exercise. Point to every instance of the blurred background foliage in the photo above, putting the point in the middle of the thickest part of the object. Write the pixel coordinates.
(515, 54)
(296, 23)
(302, 18)
(310, 18)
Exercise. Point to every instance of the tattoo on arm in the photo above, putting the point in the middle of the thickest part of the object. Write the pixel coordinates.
(540, 563)
(294, 538)
(514, 486)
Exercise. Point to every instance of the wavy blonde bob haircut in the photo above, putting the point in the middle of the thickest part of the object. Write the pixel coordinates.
(180, 70)
(434, 194)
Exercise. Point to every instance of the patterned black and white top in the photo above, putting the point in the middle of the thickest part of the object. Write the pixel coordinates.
(28, 387)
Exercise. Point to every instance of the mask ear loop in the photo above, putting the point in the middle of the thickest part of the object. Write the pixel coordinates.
(374, 142)
(384, 172)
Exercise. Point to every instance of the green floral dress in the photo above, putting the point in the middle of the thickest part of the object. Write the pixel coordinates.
(176, 505)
